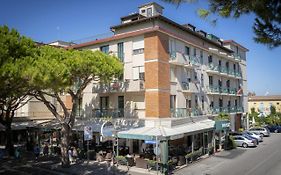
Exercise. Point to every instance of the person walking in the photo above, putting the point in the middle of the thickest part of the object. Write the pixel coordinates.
(75, 154)
(46, 150)
(70, 155)
(36, 151)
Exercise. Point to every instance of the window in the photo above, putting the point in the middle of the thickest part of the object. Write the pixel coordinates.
(220, 103)
(212, 104)
(143, 11)
(141, 75)
(227, 65)
(201, 56)
(149, 12)
(105, 49)
(172, 101)
(120, 51)
(195, 76)
(194, 52)
(196, 101)
(234, 67)
(211, 80)
(104, 103)
(210, 59)
(202, 102)
(172, 74)
(236, 103)
(138, 73)
(138, 51)
(187, 50)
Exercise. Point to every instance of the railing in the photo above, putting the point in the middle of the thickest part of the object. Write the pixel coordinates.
(185, 86)
(224, 70)
(119, 86)
(217, 110)
(184, 112)
(237, 57)
(114, 113)
(222, 90)
(183, 59)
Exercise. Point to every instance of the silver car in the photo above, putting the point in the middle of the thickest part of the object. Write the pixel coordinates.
(244, 141)
(257, 136)
(260, 131)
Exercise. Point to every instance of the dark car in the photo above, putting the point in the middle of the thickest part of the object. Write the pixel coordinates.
(244, 134)
(274, 128)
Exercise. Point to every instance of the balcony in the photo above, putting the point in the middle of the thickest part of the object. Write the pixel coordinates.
(119, 86)
(219, 90)
(108, 113)
(181, 59)
(184, 112)
(218, 110)
(219, 70)
(225, 55)
(188, 87)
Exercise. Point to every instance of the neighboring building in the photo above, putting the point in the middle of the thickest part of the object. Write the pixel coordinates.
(262, 104)
(175, 77)
(60, 43)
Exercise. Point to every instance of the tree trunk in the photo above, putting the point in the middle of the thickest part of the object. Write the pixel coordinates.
(66, 131)
(9, 139)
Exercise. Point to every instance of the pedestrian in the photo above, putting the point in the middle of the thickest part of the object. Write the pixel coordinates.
(143, 147)
(17, 153)
(36, 151)
(46, 150)
(70, 155)
(75, 154)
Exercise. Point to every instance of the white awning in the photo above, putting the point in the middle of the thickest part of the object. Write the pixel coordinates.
(150, 133)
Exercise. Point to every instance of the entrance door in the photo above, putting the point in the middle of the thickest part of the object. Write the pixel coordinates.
(120, 106)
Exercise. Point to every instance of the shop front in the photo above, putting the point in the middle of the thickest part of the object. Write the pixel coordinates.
(175, 146)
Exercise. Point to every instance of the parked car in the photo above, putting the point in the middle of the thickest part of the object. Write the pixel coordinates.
(274, 128)
(244, 134)
(244, 141)
(260, 131)
(257, 136)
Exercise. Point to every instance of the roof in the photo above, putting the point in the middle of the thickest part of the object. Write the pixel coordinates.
(131, 16)
(172, 133)
(265, 98)
(167, 20)
(124, 35)
(151, 3)
(236, 44)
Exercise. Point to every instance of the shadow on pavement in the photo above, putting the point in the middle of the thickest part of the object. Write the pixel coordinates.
(230, 154)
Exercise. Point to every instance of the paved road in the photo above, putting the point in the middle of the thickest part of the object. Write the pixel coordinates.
(262, 160)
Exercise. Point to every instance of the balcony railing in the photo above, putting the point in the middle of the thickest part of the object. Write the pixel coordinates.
(217, 110)
(113, 113)
(184, 112)
(222, 90)
(224, 70)
(182, 59)
(120, 86)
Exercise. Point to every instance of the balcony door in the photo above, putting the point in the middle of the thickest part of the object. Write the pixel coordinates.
(120, 106)
(104, 103)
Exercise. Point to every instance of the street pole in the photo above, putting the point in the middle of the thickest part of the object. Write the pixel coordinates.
(156, 151)
(88, 159)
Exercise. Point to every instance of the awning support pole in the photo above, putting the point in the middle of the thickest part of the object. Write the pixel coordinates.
(164, 155)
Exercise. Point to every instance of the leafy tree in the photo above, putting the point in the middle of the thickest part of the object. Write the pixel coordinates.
(58, 70)
(15, 54)
(267, 16)
(222, 116)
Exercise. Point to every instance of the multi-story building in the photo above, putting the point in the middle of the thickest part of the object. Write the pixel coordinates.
(262, 104)
(175, 77)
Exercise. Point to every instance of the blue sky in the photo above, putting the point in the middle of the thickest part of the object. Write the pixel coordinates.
(46, 21)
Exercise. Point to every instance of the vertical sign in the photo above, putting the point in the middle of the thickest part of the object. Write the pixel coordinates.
(88, 133)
